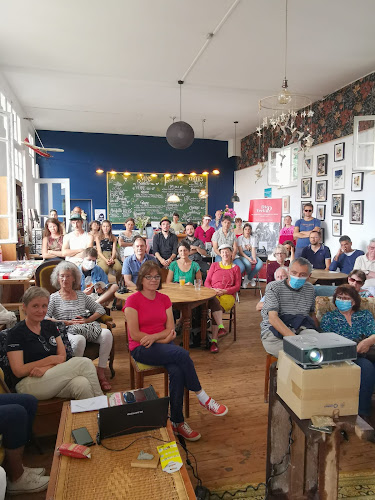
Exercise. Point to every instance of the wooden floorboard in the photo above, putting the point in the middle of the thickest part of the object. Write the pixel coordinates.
(232, 450)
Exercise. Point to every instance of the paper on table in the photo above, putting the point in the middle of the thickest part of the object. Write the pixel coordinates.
(89, 404)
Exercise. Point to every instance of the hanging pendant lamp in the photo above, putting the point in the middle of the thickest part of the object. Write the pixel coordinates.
(180, 135)
(235, 196)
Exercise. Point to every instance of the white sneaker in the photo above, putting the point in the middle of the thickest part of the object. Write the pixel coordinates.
(245, 282)
(252, 282)
(27, 483)
(38, 471)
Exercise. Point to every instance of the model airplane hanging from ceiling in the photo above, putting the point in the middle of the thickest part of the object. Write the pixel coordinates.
(42, 151)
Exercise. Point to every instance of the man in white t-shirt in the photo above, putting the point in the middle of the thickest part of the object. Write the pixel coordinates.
(77, 241)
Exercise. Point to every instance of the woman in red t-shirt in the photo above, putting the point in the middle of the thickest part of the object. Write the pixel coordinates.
(151, 333)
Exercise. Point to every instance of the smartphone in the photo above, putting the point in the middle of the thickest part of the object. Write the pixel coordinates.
(82, 436)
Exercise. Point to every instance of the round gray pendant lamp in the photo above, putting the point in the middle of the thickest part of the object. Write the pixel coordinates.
(180, 135)
(235, 196)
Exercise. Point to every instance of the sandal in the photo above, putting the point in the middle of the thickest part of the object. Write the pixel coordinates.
(105, 385)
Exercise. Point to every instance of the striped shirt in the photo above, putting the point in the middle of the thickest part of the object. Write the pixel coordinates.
(69, 309)
(282, 298)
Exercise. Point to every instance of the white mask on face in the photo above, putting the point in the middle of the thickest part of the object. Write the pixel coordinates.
(88, 264)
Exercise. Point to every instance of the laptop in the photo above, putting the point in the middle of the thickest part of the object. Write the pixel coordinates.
(132, 417)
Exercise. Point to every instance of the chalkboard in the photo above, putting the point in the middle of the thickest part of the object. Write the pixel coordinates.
(133, 195)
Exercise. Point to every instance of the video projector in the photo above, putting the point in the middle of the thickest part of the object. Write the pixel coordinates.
(309, 349)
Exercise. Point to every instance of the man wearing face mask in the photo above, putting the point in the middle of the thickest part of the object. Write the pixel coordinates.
(288, 306)
(92, 274)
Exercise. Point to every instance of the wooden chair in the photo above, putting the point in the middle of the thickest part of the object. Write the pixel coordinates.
(232, 319)
(138, 372)
(43, 279)
(269, 361)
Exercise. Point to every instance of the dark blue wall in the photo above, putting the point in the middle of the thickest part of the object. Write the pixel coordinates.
(85, 152)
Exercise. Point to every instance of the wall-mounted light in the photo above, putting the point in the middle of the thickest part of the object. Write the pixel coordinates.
(140, 175)
(154, 175)
(193, 174)
(167, 175)
(216, 171)
(99, 170)
(180, 175)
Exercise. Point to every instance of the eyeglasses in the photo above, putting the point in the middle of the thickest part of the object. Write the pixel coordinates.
(306, 210)
(354, 280)
(156, 277)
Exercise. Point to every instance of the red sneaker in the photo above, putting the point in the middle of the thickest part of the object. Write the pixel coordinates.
(215, 408)
(214, 348)
(222, 332)
(183, 429)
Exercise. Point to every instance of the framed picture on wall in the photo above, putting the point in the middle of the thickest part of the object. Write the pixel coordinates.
(322, 165)
(286, 204)
(322, 235)
(356, 211)
(321, 191)
(337, 204)
(336, 227)
(303, 203)
(307, 166)
(338, 178)
(306, 187)
(321, 212)
(357, 181)
(339, 151)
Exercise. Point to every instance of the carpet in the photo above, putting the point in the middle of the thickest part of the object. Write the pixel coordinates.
(351, 486)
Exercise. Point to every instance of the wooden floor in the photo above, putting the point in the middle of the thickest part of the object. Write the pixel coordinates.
(232, 450)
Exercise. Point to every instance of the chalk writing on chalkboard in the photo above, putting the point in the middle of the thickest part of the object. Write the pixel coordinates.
(147, 195)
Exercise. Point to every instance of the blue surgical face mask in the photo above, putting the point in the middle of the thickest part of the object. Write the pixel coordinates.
(343, 305)
(296, 283)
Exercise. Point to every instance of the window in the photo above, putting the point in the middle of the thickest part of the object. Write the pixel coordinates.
(283, 166)
(32, 156)
(8, 232)
(364, 143)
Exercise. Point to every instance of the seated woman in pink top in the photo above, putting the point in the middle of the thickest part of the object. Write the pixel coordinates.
(205, 231)
(286, 233)
(225, 278)
(151, 333)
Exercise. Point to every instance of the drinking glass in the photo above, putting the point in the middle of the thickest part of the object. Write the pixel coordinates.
(197, 284)
(182, 281)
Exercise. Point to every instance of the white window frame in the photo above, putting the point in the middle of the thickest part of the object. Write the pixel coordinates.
(358, 143)
(274, 166)
(11, 183)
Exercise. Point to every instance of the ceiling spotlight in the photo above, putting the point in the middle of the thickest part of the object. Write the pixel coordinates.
(99, 170)
(173, 198)
(216, 171)
(154, 175)
(193, 174)
(180, 135)
(180, 175)
(140, 175)
(126, 174)
(205, 172)
(167, 175)
(113, 172)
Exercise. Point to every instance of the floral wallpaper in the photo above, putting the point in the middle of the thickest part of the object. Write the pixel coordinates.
(333, 118)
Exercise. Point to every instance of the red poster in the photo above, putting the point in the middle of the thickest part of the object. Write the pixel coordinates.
(265, 210)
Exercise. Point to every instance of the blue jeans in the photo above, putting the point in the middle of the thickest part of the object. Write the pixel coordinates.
(367, 385)
(245, 265)
(17, 412)
(180, 368)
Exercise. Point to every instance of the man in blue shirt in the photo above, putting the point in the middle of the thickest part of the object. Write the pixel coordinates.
(91, 274)
(216, 223)
(133, 263)
(318, 254)
(345, 257)
(303, 228)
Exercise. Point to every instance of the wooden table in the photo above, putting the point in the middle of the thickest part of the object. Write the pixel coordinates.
(108, 474)
(185, 298)
(311, 471)
(323, 277)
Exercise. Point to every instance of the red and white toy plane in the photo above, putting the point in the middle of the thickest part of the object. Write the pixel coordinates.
(41, 150)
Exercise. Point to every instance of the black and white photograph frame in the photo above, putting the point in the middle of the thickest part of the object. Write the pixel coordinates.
(336, 227)
(357, 181)
(339, 151)
(321, 190)
(320, 212)
(338, 181)
(356, 211)
(307, 166)
(337, 204)
(321, 165)
(306, 185)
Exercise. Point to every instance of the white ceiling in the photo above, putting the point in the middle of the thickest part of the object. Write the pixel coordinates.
(112, 67)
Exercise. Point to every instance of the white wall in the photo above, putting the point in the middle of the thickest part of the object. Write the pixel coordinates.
(248, 189)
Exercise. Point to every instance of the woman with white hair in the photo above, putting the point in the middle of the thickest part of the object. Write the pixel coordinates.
(37, 356)
(79, 312)
(280, 253)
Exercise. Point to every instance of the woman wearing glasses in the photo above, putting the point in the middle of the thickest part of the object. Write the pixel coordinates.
(151, 333)
(303, 228)
(357, 279)
(358, 325)
(280, 253)
(37, 356)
